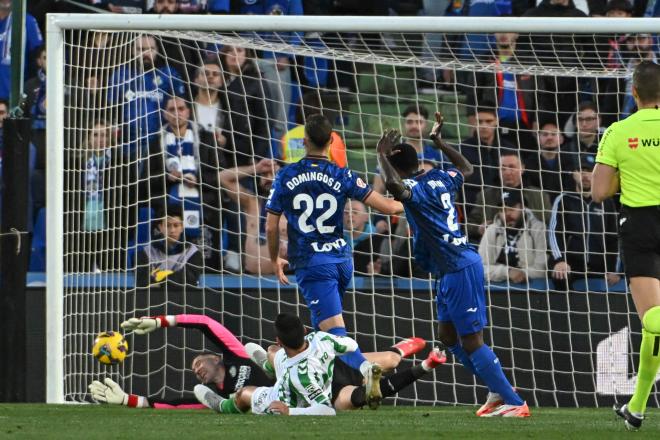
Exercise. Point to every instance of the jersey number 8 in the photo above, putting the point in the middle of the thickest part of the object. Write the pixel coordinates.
(310, 204)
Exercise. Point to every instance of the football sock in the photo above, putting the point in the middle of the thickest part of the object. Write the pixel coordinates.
(228, 406)
(390, 385)
(353, 360)
(458, 352)
(489, 369)
(649, 360)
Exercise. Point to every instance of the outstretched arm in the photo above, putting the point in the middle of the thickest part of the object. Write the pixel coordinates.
(111, 393)
(460, 162)
(216, 332)
(393, 181)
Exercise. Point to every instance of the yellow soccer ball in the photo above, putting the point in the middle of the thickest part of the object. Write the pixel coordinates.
(110, 348)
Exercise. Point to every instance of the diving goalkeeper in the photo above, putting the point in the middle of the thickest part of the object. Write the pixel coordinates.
(211, 368)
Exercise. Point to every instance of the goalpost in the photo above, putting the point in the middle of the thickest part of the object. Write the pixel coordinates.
(113, 163)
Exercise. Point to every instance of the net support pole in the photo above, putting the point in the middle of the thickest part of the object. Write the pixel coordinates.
(17, 55)
(54, 214)
(14, 253)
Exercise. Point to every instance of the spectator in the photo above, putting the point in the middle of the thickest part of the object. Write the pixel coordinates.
(414, 132)
(489, 199)
(177, 55)
(252, 207)
(582, 234)
(140, 90)
(550, 168)
(641, 49)
(293, 149)
(246, 125)
(97, 177)
(275, 67)
(361, 234)
(35, 91)
(611, 51)
(482, 150)
(557, 95)
(207, 103)
(33, 40)
(513, 93)
(513, 247)
(588, 130)
(183, 165)
(169, 258)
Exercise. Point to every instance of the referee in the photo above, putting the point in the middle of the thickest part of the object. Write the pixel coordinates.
(632, 148)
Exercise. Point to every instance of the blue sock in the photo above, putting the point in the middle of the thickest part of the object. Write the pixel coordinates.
(353, 360)
(488, 368)
(461, 355)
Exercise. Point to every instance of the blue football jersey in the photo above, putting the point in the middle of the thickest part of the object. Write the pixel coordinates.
(141, 97)
(440, 246)
(311, 194)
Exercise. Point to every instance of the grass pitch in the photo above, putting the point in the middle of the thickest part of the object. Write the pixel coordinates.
(112, 422)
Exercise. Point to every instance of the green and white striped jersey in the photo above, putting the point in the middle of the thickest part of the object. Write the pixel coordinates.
(306, 379)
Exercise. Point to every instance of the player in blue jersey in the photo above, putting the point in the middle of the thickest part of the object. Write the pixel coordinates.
(311, 193)
(442, 249)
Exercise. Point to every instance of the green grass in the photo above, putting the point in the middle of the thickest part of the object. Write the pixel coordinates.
(109, 422)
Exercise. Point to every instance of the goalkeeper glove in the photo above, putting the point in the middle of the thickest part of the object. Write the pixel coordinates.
(147, 324)
(111, 392)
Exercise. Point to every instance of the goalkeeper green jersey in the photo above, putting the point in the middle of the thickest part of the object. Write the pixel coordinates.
(633, 146)
(306, 379)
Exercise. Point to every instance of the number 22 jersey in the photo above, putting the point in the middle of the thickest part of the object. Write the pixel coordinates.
(311, 194)
(440, 246)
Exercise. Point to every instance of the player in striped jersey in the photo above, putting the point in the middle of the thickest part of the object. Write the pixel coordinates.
(305, 368)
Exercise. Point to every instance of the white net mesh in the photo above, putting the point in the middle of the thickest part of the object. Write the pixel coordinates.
(150, 119)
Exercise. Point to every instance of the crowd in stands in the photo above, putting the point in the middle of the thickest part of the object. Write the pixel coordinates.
(182, 177)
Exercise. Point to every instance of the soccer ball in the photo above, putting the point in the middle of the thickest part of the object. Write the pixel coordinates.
(110, 348)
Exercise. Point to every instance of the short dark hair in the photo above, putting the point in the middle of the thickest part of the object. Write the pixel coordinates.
(319, 130)
(290, 330)
(486, 106)
(587, 105)
(5, 102)
(417, 109)
(646, 80)
(404, 159)
(169, 211)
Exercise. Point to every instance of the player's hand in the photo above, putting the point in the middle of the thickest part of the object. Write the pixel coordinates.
(278, 407)
(612, 278)
(517, 275)
(387, 141)
(278, 268)
(264, 166)
(561, 271)
(141, 326)
(435, 131)
(108, 392)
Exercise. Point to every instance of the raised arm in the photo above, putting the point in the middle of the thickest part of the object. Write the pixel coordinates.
(216, 332)
(459, 161)
(393, 181)
(230, 179)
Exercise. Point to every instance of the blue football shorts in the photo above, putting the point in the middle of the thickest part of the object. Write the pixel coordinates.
(460, 299)
(323, 288)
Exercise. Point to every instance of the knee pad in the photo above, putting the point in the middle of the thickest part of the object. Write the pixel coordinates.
(651, 320)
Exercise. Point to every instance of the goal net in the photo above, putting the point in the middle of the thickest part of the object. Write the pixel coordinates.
(161, 135)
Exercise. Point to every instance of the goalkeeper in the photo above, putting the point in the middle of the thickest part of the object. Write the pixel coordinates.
(307, 383)
(211, 369)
